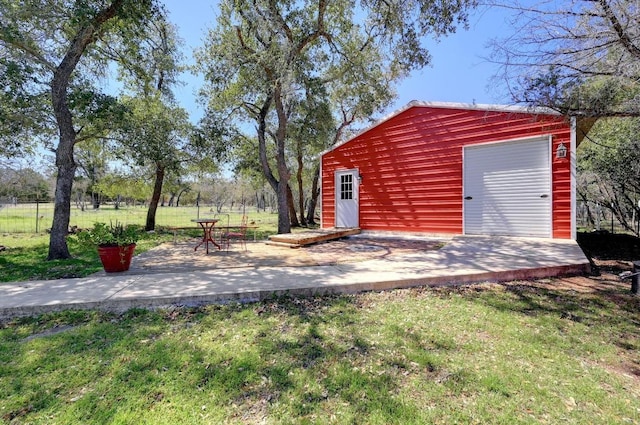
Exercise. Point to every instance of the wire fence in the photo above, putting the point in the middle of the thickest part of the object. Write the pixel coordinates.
(36, 217)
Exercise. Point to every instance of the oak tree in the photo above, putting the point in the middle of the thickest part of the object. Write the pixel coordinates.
(53, 45)
(157, 131)
(259, 56)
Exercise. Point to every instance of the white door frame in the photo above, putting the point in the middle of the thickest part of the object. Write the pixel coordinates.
(347, 206)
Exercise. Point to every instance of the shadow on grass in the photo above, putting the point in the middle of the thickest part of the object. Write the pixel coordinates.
(23, 264)
(19, 264)
(609, 311)
(103, 365)
(329, 360)
(610, 246)
(287, 357)
(606, 306)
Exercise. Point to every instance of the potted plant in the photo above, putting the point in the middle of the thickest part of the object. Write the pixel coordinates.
(115, 243)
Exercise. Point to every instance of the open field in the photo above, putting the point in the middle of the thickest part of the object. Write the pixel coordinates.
(36, 218)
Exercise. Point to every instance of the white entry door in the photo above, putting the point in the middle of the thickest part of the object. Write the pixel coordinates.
(507, 188)
(347, 198)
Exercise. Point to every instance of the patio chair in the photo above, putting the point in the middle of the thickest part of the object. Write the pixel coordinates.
(239, 235)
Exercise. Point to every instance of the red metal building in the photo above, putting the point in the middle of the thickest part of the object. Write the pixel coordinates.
(444, 168)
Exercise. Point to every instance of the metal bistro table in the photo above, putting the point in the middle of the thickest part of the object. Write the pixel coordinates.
(208, 225)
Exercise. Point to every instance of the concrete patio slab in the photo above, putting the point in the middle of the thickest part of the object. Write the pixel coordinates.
(153, 282)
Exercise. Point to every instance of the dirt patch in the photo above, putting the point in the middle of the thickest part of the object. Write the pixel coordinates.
(606, 282)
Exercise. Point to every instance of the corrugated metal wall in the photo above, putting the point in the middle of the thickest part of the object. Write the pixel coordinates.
(411, 167)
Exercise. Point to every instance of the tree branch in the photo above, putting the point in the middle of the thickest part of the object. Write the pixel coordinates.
(624, 38)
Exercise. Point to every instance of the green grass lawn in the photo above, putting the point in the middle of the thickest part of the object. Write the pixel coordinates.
(483, 354)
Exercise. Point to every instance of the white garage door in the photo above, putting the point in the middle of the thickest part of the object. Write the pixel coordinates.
(507, 188)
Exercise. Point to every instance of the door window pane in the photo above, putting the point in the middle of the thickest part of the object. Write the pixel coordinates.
(346, 186)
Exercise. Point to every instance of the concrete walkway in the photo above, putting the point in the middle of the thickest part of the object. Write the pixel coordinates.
(463, 259)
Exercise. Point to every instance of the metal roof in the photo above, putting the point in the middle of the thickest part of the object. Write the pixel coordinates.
(451, 105)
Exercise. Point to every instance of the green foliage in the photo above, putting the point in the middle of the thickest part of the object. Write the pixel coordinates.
(154, 133)
(35, 37)
(97, 114)
(24, 117)
(290, 67)
(609, 168)
(613, 150)
(110, 235)
(153, 62)
(65, 43)
(25, 185)
(117, 185)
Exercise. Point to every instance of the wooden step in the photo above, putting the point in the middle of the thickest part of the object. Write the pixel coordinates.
(286, 245)
(313, 236)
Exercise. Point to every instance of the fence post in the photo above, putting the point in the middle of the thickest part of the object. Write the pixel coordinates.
(612, 218)
(37, 214)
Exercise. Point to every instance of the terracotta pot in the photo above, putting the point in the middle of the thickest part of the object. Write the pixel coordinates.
(116, 258)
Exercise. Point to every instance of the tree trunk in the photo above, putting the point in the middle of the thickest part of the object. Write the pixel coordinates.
(65, 164)
(67, 137)
(62, 210)
(80, 200)
(95, 199)
(155, 198)
(279, 185)
(284, 224)
(186, 189)
(282, 202)
(303, 222)
(315, 192)
(292, 208)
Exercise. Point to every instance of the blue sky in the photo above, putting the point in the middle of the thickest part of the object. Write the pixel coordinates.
(458, 72)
